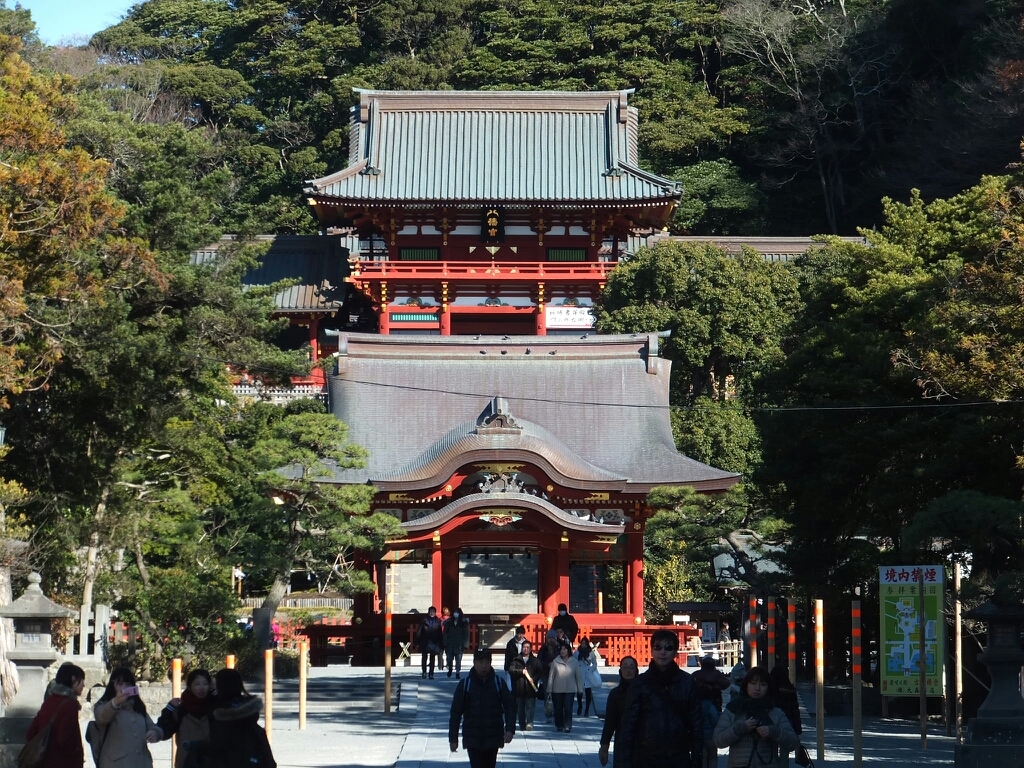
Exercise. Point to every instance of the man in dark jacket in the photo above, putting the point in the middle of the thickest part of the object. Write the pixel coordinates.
(430, 640)
(527, 674)
(484, 706)
(514, 646)
(566, 622)
(663, 725)
(616, 705)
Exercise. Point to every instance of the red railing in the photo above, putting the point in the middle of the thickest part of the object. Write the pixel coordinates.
(477, 270)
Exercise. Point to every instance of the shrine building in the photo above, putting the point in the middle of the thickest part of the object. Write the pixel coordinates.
(516, 446)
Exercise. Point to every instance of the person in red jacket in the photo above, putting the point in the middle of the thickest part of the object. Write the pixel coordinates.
(61, 705)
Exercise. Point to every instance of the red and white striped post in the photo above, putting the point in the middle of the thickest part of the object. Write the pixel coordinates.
(791, 638)
(753, 625)
(858, 727)
(770, 661)
(387, 654)
(819, 675)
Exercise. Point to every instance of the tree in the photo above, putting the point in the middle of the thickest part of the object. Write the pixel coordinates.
(305, 520)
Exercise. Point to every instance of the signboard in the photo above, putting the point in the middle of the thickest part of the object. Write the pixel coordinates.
(568, 317)
(902, 624)
(492, 225)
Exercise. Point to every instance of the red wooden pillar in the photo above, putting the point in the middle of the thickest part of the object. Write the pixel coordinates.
(563, 576)
(383, 318)
(547, 577)
(445, 319)
(450, 578)
(436, 570)
(635, 585)
(314, 338)
(540, 316)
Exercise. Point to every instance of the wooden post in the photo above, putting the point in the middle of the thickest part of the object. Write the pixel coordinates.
(921, 665)
(600, 602)
(958, 677)
(303, 663)
(791, 638)
(387, 654)
(770, 660)
(175, 694)
(268, 693)
(819, 675)
(229, 661)
(858, 727)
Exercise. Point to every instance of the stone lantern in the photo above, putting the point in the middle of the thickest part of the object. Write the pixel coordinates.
(33, 654)
(996, 735)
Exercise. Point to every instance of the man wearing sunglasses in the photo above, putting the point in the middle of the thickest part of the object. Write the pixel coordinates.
(662, 725)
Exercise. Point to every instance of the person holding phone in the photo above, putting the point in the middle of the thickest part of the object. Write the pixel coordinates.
(752, 727)
(127, 728)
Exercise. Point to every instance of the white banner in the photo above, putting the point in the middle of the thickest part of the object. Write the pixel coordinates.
(568, 317)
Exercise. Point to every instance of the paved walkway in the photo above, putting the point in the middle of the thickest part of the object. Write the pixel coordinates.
(346, 728)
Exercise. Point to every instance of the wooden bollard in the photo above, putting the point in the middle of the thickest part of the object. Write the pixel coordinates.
(387, 654)
(229, 661)
(268, 693)
(858, 728)
(791, 638)
(770, 659)
(303, 662)
(175, 694)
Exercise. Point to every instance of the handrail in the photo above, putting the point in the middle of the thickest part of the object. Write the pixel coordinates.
(506, 270)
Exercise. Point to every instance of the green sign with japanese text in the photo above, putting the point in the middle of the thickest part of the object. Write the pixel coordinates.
(902, 624)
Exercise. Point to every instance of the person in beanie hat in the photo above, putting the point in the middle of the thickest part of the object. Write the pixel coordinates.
(566, 622)
(485, 708)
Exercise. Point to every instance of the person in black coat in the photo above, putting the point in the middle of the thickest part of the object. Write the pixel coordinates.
(485, 708)
(527, 677)
(616, 705)
(566, 622)
(430, 639)
(514, 647)
(663, 725)
(236, 738)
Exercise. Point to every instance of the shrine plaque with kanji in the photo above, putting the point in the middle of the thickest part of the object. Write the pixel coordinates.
(900, 637)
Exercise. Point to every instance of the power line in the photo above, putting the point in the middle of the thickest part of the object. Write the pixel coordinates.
(645, 406)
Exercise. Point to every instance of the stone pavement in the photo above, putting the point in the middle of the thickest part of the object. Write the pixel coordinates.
(346, 728)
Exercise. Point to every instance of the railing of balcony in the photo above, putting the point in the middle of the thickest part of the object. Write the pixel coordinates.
(505, 270)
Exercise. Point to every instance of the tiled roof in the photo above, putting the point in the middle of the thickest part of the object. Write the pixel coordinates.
(495, 147)
(315, 261)
(605, 397)
(772, 248)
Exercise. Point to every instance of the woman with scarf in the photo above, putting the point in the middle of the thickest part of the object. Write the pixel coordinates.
(565, 681)
(752, 727)
(189, 716)
(616, 705)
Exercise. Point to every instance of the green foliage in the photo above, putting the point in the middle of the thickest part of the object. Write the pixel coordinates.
(718, 201)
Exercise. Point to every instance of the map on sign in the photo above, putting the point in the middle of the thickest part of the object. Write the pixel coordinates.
(902, 625)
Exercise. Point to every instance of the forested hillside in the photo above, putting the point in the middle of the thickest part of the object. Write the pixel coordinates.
(781, 116)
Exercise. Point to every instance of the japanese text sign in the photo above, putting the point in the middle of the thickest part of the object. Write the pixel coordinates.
(901, 627)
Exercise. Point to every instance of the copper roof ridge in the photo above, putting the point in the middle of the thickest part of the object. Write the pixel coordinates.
(474, 100)
(584, 339)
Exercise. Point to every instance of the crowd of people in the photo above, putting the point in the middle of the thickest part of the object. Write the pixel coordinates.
(215, 720)
(664, 717)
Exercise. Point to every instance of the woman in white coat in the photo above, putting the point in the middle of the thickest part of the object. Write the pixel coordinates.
(565, 681)
(127, 728)
(587, 658)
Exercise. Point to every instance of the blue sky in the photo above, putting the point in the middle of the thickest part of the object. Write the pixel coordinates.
(60, 19)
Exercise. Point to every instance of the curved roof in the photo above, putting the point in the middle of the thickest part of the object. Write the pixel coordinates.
(494, 147)
(515, 500)
(591, 405)
(464, 444)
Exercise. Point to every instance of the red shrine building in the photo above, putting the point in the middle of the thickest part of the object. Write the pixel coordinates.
(479, 229)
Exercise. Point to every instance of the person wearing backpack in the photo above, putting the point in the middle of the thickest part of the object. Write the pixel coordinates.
(483, 705)
(60, 713)
(127, 727)
(189, 716)
(236, 738)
